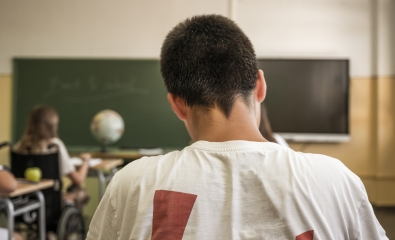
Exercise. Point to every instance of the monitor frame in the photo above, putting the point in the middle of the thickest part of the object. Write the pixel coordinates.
(306, 137)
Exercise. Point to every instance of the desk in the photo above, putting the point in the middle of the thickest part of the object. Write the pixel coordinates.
(113, 153)
(107, 165)
(23, 189)
(123, 154)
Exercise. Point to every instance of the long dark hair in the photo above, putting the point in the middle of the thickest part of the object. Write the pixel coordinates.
(40, 129)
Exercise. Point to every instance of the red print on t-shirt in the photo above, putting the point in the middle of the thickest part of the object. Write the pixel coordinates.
(309, 235)
(171, 213)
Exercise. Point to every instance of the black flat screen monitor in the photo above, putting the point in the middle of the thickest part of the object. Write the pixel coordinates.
(308, 100)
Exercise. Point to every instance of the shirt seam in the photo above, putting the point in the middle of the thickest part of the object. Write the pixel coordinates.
(113, 223)
(233, 149)
(359, 208)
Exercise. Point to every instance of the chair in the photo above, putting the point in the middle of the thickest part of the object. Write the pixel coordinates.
(23, 207)
(66, 221)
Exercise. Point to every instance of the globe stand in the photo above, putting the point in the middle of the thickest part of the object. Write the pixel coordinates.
(103, 148)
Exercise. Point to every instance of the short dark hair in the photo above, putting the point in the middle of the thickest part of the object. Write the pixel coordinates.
(208, 61)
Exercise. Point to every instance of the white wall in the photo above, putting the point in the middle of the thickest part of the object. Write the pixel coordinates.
(310, 28)
(386, 37)
(91, 28)
(136, 28)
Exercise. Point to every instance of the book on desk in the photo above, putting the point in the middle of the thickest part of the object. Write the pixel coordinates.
(92, 162)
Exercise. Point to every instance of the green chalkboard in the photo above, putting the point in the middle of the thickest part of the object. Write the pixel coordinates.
(79, 88)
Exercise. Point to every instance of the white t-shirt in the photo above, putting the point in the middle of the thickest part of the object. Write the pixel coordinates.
(67, 165)
(235, 190)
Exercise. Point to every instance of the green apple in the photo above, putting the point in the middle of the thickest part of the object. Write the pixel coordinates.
(33, 174)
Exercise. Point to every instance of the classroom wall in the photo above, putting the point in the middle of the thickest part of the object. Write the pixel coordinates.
(5, 115)
(125, 28)
(385, 37)
(310, 29)
(361, 30)
(282, 28)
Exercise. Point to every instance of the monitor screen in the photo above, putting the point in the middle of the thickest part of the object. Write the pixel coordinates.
(307, 98)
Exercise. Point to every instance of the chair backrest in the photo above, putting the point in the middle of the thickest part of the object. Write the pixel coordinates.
(50, 168)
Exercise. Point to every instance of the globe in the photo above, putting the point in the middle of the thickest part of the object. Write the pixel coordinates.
(107, 127)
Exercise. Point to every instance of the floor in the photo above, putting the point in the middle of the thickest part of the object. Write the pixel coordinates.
(386, 217)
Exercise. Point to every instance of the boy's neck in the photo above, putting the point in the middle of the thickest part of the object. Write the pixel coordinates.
(242, 124)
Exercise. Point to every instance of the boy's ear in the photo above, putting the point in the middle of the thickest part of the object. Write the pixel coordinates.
(260, 87)
(178, 105)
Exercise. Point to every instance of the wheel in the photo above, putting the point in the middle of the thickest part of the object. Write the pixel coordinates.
(71, 225)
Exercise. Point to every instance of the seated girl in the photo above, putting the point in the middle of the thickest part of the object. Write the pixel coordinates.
(41, 137)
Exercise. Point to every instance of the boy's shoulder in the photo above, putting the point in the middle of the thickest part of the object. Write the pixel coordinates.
(140, 166)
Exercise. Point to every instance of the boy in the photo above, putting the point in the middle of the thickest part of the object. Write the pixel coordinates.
(231, 183)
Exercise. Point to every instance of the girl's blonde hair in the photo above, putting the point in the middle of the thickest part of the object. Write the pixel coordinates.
(40, 130)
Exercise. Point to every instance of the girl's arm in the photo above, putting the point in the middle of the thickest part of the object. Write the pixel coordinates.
(8, 182)
(79, 176)
(76, 176)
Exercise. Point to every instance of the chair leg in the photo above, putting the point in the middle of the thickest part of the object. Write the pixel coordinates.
(41, 217)
(10, 217)
(102, 183)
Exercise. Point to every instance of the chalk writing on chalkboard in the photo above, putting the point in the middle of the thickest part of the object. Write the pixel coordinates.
(92, 89)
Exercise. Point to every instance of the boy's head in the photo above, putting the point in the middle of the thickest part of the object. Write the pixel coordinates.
(209, 62)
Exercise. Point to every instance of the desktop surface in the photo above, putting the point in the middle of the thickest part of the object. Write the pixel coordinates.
(116, 152)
